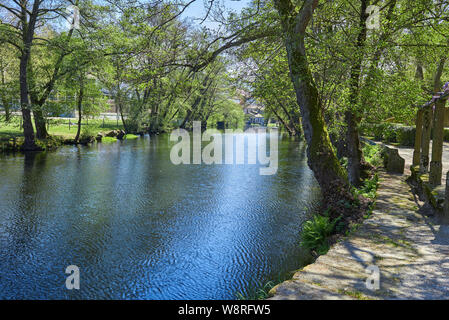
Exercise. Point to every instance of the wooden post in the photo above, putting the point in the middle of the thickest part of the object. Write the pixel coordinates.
(418, 138)
(425, 141)
(436, 167)
(446, 199)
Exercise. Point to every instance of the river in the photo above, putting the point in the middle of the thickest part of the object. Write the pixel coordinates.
(140, 227)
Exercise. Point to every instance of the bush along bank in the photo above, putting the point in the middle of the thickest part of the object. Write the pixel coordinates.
(326, 227)
(390, 133)
(394, 133)
(12, 145)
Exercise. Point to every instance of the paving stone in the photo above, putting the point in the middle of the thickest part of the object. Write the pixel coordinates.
(410, 250)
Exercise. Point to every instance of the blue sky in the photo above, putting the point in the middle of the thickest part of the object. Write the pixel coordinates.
(198, 10)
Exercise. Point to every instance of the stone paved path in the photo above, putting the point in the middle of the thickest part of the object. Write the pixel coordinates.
(411, 251)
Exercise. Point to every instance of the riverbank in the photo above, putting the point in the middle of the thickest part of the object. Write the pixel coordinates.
(410, 249)
(12, 140)
(61, 132)
(13, 145)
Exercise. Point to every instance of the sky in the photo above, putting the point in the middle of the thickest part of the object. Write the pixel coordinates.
(197, 10)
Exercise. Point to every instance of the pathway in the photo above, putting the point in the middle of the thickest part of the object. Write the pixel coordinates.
(411, 251)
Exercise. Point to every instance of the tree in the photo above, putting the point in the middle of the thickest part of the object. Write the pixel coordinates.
(81, 81)
(321, 155)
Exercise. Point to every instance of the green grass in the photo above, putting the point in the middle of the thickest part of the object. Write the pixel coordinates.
(60, 127)
(261, 293)
(108, 140)
(131, 137)
(355, 294)
(9, 132)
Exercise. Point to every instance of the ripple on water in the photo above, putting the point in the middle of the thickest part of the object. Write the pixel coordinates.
(141, 228)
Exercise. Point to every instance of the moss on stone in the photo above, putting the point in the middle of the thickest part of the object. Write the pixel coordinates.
(354, 293)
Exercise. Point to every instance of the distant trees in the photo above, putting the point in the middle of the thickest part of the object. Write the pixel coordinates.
(143, 54)
(80, 81)
(155, 79)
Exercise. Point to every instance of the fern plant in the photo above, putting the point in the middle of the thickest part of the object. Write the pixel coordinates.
(316, 232)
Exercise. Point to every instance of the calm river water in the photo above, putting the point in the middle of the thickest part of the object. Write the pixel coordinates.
(139, 227)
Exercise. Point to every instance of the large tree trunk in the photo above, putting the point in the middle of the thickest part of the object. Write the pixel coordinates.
(190, 113)
(80, 114)
(7, 110)
(27, 29)
(28, 130)
(321, 155)
(353, 149)
(120, 110)
(39, 122)
(38, 115)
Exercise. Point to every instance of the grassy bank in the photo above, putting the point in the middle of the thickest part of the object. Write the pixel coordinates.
(60, 127)
(61, 132)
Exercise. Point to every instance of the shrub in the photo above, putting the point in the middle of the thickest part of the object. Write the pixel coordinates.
(405, 136)
(316, 232)
(375, 130)
(391, 133)
(86, 133)
(261, 293)
(372, 154)
(344, 162)
(446, 135)
(380, 131)
(369, 187)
